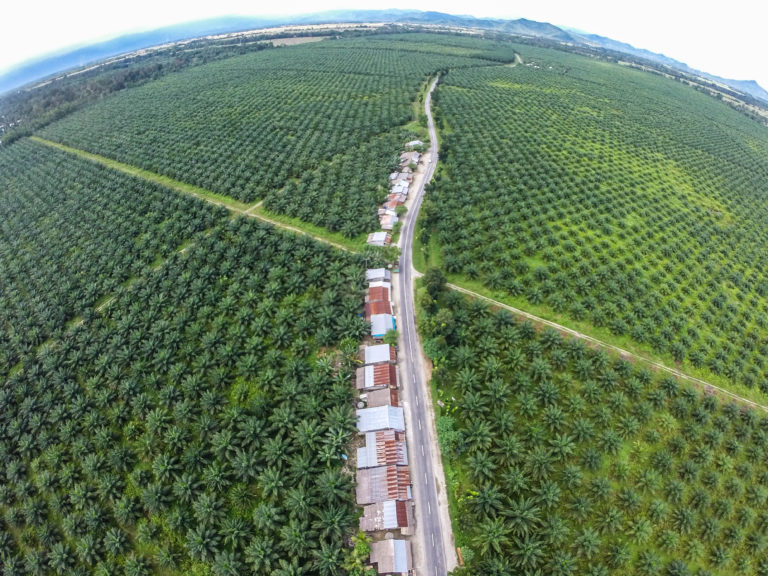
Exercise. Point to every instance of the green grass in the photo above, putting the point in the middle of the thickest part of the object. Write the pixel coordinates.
(654, 440)
(617, 203)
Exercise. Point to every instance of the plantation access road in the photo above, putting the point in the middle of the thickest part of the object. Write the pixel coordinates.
(433, 545)
(234, 206)
(624, 353)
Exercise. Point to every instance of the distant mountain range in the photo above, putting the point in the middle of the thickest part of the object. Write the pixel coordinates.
(39, 68)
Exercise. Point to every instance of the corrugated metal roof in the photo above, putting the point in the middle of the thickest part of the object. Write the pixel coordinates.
(383, 397)
(377, 274)
(389, 515)
(376, 293)
(383, 483)
(383, 448)
(391, 556)
(377, 307)
(376, 376)
(379, 353)
(381, 324)
(379, 238)
(380, 418)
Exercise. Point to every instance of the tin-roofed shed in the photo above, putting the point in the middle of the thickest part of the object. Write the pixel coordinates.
(392, 557)
(380, 418)
(389, 515)
(381, 324)
(379, 353)
(376, 274)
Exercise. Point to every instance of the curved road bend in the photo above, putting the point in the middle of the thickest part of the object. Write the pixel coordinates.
(436, 554)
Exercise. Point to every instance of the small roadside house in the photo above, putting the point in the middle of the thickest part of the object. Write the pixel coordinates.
(389, 515)
(379, 239)
(392, 557)
(378, 353)
(378, 274)
(381, 324)
(388, 221)
(383, 448)
(380, 418)
(382, 397)
(383, 483)
(375, 376)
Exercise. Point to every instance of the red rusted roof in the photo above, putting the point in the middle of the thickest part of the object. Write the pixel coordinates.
(384, 375)
(378, 293)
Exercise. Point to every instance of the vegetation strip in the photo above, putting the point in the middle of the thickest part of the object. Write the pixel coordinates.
(563, 459)
(606, 345)
(207, 195)
(251, 211)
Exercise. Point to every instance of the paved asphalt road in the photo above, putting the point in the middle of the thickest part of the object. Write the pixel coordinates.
(412, 376)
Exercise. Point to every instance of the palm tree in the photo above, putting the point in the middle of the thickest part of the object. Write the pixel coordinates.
(527, 553)
(227, 563)
(587, 543)
(261, 555)
(327, 560)
(59, 558)
(135, 566)
(648, 563)
(332, 522)
(202, 543)
(523, 516)
(491, 536)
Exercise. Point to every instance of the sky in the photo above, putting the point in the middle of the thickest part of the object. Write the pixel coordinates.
(724, 38)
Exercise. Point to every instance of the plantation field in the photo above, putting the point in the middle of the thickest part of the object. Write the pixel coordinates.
(611, 198)
(196, 426)
(71, 232)
(314, 130)
(563, 460)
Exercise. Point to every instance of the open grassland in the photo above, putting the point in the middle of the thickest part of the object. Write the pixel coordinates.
(564, 460)
(313, 130)
(71, 232)
(603, 196)
(196, 426)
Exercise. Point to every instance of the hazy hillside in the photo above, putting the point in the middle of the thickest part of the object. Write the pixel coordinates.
(746, 86)
(49, 65)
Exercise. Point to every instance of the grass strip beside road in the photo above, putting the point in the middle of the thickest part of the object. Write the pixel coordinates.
(166, 181)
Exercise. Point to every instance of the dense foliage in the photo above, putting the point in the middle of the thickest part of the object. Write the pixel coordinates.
(22, 112)
(71, 232)
(254, 126)
(197, 425)
(563, 460)
(606, 195)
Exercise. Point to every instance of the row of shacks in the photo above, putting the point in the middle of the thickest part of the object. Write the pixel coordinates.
(383, 477)
(399, 185)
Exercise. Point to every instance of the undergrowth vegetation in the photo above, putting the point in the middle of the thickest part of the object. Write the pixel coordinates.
(607, 196)
(561, 459)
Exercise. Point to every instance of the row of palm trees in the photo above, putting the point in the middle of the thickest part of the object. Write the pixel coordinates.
(71, 233)
(183, 427)
(610, 215)
(566, 460)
